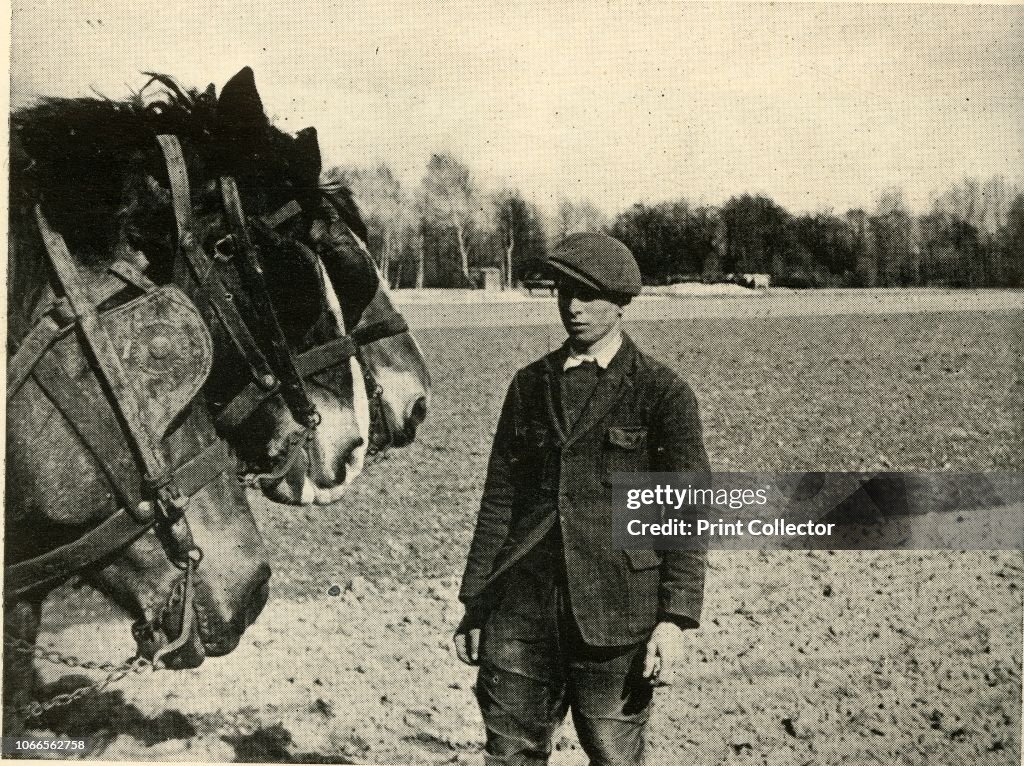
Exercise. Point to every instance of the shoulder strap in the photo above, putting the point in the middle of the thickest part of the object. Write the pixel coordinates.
(98, 341)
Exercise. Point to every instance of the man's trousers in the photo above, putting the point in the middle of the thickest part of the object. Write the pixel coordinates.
(534, 667)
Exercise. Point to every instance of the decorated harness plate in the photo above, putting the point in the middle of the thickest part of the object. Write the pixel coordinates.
(165, 349)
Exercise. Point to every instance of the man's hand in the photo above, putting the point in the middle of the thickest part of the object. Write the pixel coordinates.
(467, 645)
(664, 650)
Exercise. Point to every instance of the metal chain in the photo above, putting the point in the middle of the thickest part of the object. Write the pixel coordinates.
(115, 672)
(295, 443)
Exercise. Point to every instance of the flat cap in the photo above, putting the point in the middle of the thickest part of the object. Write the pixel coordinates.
(598, 261)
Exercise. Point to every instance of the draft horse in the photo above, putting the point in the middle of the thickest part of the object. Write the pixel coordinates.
(116, 470)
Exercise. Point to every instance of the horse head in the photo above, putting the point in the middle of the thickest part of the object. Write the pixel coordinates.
(392, 361)
(115, 474)
(316, 268)
(277, 177)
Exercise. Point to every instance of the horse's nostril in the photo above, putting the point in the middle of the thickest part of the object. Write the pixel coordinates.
(258, 582)
(418, 411)
(260, 577)
(256, 595)
(256, 604)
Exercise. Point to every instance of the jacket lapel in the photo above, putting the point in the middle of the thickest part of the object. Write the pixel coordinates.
(552, 362)
(611, 386)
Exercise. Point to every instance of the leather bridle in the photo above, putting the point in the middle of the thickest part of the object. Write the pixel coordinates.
(382, 434)
(274, 368)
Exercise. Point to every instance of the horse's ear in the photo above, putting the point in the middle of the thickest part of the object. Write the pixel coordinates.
(239, 108)
(307, 161)
(241, 125)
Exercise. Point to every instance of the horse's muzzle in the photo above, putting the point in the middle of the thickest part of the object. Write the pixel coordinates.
(208, 633)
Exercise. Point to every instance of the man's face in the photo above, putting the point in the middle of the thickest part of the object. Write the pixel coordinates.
(587, 316)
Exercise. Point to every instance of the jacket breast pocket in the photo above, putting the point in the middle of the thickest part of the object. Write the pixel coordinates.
(624, 451)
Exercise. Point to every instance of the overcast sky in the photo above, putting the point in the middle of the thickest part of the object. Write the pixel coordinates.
(818, 106)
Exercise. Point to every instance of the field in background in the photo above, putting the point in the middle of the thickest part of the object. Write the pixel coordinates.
(892, 657)
(517, 308)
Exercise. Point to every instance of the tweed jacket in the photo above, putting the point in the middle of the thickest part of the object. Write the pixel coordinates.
(641, 417)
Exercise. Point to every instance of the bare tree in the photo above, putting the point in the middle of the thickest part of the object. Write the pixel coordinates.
(892, 234)
(519, 230)
(450, 200)
(389, 212)
(577, 216)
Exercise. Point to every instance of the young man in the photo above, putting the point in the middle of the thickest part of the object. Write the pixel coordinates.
(556, 618)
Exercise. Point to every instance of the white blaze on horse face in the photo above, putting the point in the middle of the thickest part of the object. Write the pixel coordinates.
(338, 451)
(334, 435)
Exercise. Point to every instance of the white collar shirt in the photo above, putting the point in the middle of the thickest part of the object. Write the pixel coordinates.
(602, 356)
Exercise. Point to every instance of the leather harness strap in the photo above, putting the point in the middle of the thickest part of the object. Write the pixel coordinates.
(265, 317)
(59, 319)
(371, 332)
(336, 351)
(112, 534)
(198, 471)
(43, 335)
(274, 367)
(195, 267)
(282, 214)
(97, 430)
(177, 174)
(209, 289)
(109, 363)
(134, 475)
(51, 568)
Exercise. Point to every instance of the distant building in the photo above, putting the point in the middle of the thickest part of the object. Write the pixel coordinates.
(486, 278)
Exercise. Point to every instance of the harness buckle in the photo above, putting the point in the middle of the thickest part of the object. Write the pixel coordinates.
(172, 501)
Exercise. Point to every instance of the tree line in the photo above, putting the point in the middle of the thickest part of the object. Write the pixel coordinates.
(441, 233)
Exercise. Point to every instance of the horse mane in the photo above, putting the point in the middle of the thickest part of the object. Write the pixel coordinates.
(71, 156)
(86, 161)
